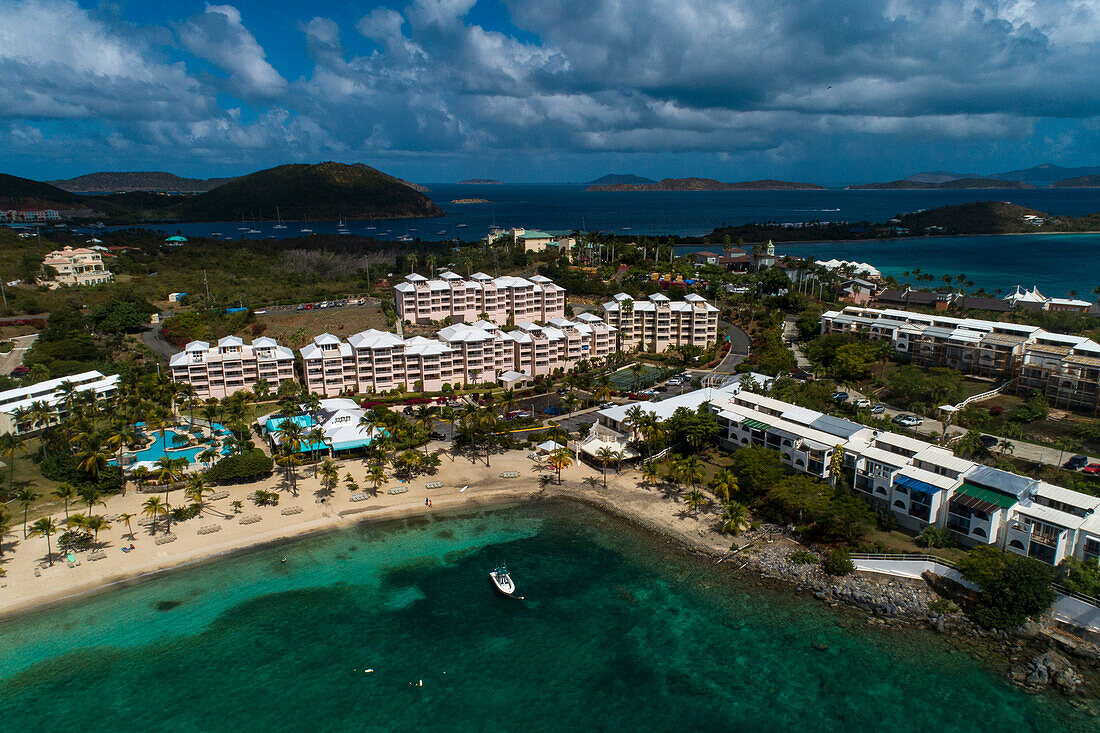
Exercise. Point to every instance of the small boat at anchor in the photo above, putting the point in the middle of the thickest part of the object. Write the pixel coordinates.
(502, 581)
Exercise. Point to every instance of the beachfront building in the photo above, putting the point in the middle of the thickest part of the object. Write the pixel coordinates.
(1034, 300)
(657, 323)
(231, 366)
(920, 484)
(57, 395)
(341, 423)
(68, 266)
(1062, 367)
(461, 355)
(498, 300)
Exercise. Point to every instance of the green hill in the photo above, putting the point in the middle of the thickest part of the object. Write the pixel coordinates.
(23, 193)
(1092, 181)
(977, 217)
(127, 181)
(957, 183)
(322, 191)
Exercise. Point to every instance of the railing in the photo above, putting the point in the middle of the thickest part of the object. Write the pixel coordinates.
(902, 556)
(984, 395)
(1091, 600)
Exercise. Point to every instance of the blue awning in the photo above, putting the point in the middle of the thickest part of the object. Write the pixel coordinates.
(919, 487)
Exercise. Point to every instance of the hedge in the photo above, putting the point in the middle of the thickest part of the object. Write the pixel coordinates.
(250, 465)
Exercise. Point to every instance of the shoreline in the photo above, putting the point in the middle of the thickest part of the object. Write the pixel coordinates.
(756, 557)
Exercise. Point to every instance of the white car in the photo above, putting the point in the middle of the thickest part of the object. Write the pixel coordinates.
(863, 402)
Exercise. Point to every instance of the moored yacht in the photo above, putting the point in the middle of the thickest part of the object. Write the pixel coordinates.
(502, 581)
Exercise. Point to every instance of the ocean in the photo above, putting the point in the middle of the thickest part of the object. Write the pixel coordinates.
(616, 630)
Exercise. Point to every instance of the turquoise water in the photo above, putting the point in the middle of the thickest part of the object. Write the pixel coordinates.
(1056, 263)
(616, 631)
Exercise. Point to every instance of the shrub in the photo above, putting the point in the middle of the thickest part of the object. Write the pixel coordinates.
(1012, 588)
(1080, 577)
(247, 466)
(935, 537)
(942, 606)
(837, 562)
(804, 557)
(265, 498)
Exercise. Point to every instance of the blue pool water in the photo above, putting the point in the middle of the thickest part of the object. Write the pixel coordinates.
(162, 444)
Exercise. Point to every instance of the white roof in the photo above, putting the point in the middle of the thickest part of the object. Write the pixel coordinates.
(372, 338)
(928, 477)
(944, 458)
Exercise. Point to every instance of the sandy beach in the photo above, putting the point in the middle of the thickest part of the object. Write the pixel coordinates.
(22, 589)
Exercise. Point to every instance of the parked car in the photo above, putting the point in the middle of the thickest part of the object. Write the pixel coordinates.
(1074, 463)
(908, 421)
(660, 389)
(436, 435)
(989, 441)
(20, 371)
(605, 405)
(863, 402)
(1092, 468)
(840, 396)
(879, 409)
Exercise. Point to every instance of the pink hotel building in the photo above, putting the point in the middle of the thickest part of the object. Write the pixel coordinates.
(420, 300)
(462, 354)
(231, 366)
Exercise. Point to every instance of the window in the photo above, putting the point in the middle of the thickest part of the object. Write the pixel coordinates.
(899, 503)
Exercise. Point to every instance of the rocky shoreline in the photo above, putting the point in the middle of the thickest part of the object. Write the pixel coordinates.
(1035, 657)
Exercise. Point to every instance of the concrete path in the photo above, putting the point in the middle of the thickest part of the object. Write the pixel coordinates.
(790, 335)
(14, 358)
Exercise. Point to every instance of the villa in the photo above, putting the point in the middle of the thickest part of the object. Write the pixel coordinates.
(1062, 367)
(920, 484)
(498, 300)
(80, 266)
(52, 393)
(658, 323)
(231, 366)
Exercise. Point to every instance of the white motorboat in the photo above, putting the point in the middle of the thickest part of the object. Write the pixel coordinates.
(502, 581)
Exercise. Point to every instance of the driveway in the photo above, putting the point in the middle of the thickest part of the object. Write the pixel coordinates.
(14, 358)
(790, 335)
(152, 338)
(740, 345)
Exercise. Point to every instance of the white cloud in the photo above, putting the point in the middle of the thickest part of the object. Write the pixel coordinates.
(219, 36)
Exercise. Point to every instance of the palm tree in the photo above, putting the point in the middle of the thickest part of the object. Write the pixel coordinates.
(724, 484)
(1007, 447)
(196, 490)
(377, 477)
(93, 457)
(46, 527)
(169, 471)
(154, 507)
(10, 442)
(691, 471)
(96, 522)
(315, 437)
(605, 456)
(91, 495)
(651, 471)
(122, 435)
(288, 459)
(330, 475)
(487, 425)
(695, 499)
(66, 493)
(423, 421)
(5, 527)
(636, 369)
(734, 514)
(126, 517)
(560, 458)
(25, 496)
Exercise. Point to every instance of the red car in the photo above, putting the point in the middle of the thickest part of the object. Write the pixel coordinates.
(1091, 468)
(20, 371)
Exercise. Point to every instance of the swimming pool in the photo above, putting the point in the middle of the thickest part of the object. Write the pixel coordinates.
(162, 445)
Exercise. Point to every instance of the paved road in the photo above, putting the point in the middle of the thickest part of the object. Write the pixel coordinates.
(152, 338)
(14, 358)
(740, 345)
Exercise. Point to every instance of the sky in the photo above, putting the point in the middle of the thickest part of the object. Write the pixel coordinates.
(824, 91)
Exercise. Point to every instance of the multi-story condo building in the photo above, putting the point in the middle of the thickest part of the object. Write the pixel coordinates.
(919, 483)
(497, 300)
(80, 266)
(657, 323)
(55, 394)
(461, 355)
(1064, 368)
(231, 365)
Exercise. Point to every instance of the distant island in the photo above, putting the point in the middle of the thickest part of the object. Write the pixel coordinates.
(706, 184)
(128, 181)
(471, 201)
(322, 191)
(956, 183)
(618, 178)
(479, 182)
(1092, 181)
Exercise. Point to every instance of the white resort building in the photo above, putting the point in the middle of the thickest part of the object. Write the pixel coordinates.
(53, 393)
(498, 300)
(920, 484)
(657, 323)
(231, 365)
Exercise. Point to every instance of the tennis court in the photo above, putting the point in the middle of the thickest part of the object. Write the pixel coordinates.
(626, 379)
